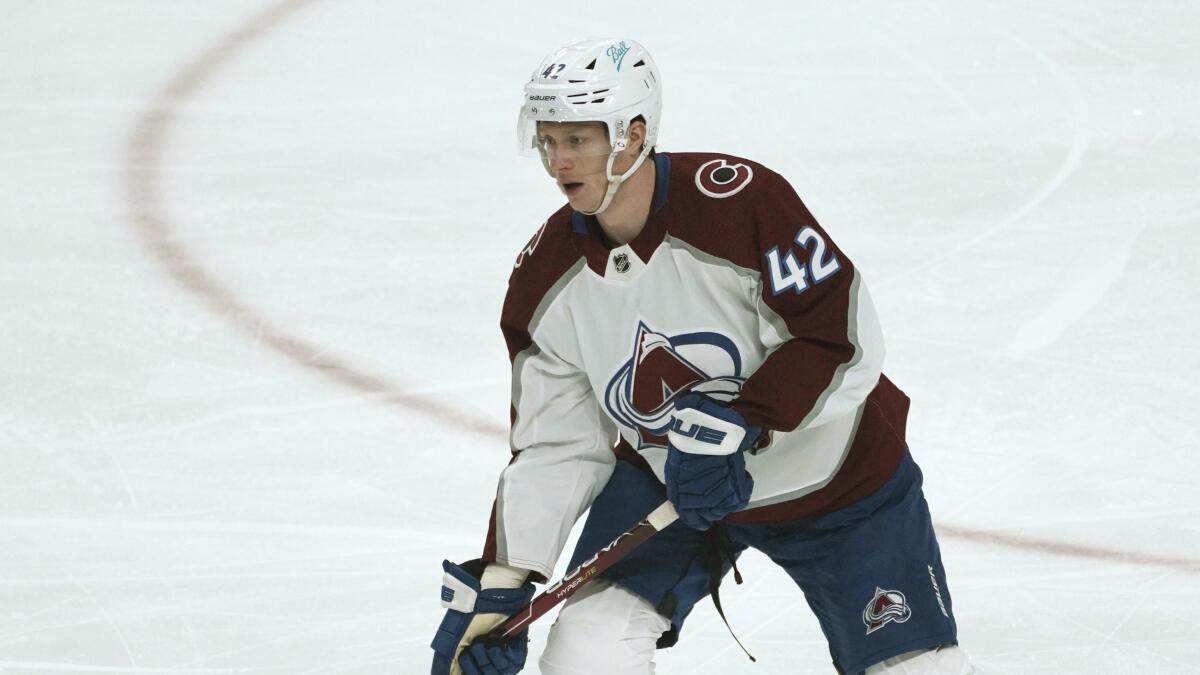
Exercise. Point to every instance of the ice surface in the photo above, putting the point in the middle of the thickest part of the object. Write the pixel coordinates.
(252, 258)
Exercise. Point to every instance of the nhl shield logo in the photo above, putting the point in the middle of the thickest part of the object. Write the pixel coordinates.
(621, 262)
(884, 608)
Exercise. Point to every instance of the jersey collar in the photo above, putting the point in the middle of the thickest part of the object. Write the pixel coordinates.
(662, 179)
(590, 240)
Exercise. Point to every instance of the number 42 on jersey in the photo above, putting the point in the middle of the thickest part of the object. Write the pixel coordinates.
(787, 272)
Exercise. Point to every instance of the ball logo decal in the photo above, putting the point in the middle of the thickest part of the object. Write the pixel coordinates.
(720, 179)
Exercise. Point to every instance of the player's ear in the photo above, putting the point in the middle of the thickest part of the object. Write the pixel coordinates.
(636, 135)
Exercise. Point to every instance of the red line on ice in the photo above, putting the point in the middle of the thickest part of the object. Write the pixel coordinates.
(141, 174)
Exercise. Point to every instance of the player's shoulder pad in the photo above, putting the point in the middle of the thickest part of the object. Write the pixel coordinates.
(719, 176)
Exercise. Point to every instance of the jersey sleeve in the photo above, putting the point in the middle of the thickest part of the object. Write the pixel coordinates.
(817, 321)
(561, 444)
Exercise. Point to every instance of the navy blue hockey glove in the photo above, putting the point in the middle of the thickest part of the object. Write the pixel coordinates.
(487, 656)
(706, 470)
(471, 613)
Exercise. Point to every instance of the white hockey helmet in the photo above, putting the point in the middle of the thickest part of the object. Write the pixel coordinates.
(610, 80)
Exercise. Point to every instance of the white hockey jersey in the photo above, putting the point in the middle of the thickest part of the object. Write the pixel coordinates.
(732, 289)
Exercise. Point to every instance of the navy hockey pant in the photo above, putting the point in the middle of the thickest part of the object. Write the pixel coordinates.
(871, 571)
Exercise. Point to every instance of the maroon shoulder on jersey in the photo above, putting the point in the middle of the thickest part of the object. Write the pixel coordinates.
(709, 205)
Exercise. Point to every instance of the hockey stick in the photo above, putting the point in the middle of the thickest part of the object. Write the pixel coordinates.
(656, 521)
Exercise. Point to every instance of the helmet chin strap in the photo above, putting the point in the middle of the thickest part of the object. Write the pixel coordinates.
(614, 182)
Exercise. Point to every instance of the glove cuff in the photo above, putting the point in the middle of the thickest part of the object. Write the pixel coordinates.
(497, 575)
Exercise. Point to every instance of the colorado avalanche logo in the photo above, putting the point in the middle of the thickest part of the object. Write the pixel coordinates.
(720, 179)
(642, 393)
(885, 607)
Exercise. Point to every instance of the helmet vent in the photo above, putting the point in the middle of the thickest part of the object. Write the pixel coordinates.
(574, 81)
(581, 94)
(591, 66)
(639, 63)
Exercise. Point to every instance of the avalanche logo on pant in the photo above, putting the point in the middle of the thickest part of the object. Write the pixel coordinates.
(885, 607)
(642, 393)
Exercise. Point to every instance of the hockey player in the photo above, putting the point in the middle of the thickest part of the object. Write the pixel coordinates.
(683, 329)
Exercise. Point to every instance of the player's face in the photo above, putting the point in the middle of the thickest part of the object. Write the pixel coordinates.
(577, 155)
